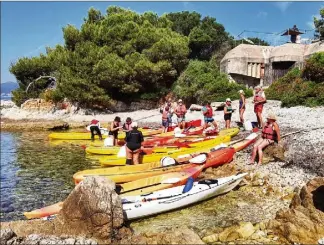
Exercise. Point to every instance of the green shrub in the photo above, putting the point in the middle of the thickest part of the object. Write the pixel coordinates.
(314, 68)
(293, 90)
(202, 81)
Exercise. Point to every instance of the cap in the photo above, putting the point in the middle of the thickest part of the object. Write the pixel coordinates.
(258, 87)
(241, 91)
(228, 99)
(180, 100)
(134, 125)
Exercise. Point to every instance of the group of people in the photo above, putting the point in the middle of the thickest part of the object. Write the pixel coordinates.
(270, 131)
(134, 137)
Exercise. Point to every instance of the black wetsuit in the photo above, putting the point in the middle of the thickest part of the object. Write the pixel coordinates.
(134, 139)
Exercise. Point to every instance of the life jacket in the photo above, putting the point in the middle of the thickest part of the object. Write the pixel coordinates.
(268, 132)
(209, 112)
(94, 122)
(229, 108)
(127, 126)
(181, 110)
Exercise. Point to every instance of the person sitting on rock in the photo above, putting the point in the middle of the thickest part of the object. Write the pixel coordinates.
(208, 116)
(134, 140)
(270, 134)
(259, 100)
(114, 128)
(95, 128)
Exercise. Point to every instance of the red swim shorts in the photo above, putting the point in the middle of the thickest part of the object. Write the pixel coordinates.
(258, 108)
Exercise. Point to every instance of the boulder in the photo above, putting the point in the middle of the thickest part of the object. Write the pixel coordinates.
(274, 152)
(92, 209)
(38, 105)
(304, 221)
(246, 229)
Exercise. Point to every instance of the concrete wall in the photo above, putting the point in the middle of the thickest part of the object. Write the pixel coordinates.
(244, 63)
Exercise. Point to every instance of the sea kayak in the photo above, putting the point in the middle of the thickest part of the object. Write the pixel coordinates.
(43, 212)
(173, 198)
(159, 182)
(113, 160)
(87, 135)
(135, 172)
(143, 205)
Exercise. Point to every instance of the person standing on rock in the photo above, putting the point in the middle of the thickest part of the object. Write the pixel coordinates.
(270, 134)
(259, 100)
(181, 111)
(95, 128)
(208, 116)
(134, 140)
(242, 105)
(114, 128)
(228, 110)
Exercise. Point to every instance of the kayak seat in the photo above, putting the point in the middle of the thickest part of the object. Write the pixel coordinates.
(208, 182)
(199, 159)
(167, 161)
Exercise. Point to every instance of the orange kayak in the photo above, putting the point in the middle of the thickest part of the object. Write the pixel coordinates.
(44, 212)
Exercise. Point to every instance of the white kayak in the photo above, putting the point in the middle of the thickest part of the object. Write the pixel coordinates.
(173, 198)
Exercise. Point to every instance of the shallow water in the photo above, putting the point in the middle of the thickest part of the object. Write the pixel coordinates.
(36, 173)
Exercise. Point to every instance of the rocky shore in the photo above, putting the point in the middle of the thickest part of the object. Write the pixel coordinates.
(278, 202)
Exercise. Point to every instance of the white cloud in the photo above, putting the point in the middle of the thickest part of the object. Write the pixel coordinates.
(262, 14)
(283, 6)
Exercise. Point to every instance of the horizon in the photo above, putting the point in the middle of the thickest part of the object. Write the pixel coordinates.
(22, 37)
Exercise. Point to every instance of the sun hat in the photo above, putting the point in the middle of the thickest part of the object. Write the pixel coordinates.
(241, 92)
(134, 125)
(272, 116)
(258, 87)
(228, 99)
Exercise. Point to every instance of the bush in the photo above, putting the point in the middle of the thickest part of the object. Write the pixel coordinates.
(202, 81)
(294, 89)
(314, 68)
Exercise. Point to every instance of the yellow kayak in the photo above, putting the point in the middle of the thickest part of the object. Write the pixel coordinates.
(115, 161)
(87, 135)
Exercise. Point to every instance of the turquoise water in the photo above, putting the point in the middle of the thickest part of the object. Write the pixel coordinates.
(36, 173)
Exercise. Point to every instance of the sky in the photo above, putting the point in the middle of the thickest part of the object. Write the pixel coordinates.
(28, 27)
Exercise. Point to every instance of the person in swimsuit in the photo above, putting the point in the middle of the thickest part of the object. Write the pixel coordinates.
(270, 134)
(114, 128)
(242, 105)
(228, 110)
(134, 140)
(181, 111)
(127, 125)
(259, 100)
